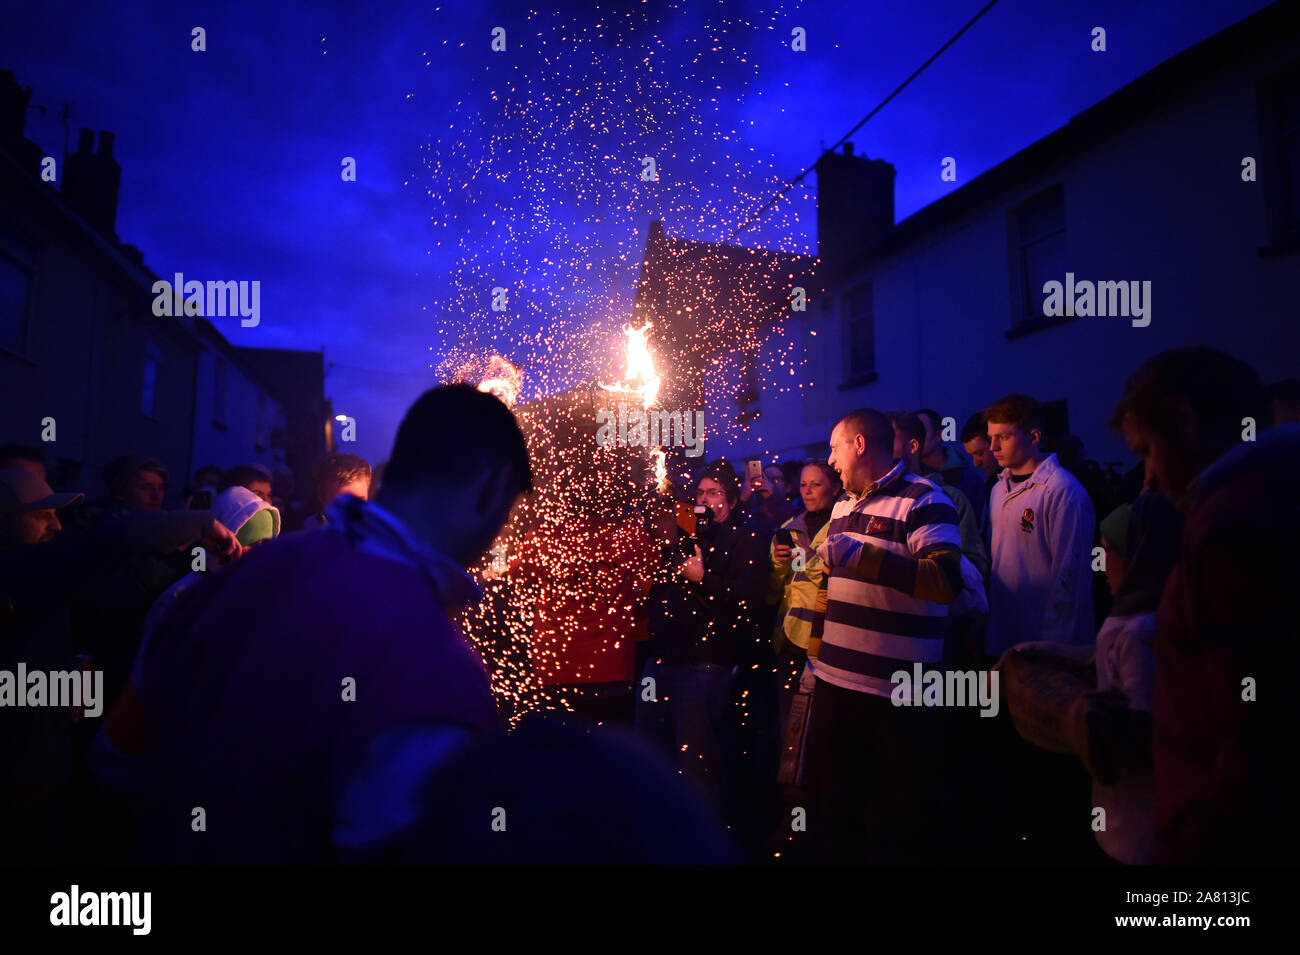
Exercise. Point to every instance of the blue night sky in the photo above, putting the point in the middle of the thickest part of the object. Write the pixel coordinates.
(521, 169)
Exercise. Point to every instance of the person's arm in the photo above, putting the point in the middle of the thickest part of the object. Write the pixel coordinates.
(76, 555)
(932, 571)
(971, 543)
(1072, 525)
(780, 559)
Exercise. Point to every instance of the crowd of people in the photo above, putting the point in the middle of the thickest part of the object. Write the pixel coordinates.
(289, 680)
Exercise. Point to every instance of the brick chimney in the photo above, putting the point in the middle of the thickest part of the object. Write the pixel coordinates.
(14, 101)
(855, 204)
(13, 107)
(91, 181)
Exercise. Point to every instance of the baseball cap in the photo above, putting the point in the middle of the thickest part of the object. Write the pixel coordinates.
(21, 490)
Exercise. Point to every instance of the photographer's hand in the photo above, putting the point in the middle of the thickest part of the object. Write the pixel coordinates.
(693, 567)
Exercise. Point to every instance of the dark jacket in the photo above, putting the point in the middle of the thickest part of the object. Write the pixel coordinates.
(1223, 763)
(40, 747)
(708, 622)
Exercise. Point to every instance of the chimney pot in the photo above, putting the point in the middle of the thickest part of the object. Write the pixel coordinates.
(91, 181)
(855, 205)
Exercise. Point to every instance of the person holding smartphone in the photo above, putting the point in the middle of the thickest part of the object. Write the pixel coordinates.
(698, 621)
(798, 578)
(765, 507)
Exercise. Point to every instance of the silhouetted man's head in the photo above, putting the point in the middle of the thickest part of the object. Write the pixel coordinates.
(1184, 408)
(458, 465)
(975, 439)
(248, 476)
(909, 437)
(208, 476)
(138, 483)
(1285, 398)
(555, 793)
(933, 432)
(340, 473)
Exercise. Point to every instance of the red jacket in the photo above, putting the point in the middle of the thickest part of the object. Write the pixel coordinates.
(588, 579)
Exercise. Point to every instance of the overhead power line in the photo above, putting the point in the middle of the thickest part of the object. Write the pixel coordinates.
(902, 86)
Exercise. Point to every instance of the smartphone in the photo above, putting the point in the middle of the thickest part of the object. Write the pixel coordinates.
(785, 536)
(753, 469)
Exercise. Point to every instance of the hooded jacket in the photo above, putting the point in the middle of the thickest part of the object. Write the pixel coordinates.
(1040, 585)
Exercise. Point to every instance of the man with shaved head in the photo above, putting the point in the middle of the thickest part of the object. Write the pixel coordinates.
(893, 558)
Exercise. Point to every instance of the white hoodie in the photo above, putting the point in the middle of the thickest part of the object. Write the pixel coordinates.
(1040, 586)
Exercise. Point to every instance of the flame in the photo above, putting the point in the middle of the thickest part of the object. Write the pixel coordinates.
(503, 380)
(639, 374)
(661, 468)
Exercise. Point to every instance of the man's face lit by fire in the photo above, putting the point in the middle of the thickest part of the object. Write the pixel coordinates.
(712, 494)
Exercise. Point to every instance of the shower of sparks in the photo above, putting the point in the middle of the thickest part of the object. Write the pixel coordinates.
(544, 255)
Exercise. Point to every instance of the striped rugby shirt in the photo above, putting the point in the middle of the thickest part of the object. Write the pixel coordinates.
(876, 627)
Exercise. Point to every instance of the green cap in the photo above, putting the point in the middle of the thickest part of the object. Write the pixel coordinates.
(261, 526)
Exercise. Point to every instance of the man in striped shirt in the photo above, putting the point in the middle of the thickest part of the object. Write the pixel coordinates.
(893, 553)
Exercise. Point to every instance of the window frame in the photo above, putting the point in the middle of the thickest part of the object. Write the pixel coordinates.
(851, 375)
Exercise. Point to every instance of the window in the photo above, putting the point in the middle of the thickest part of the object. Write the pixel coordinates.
(219, 393)
(149, 387)
(17, 272)
(1280, 115)
(1038, 245)
(858, 317)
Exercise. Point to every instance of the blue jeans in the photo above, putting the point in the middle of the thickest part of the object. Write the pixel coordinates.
(690, 717)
